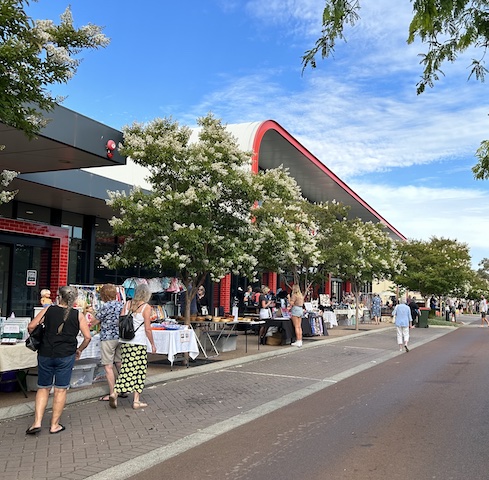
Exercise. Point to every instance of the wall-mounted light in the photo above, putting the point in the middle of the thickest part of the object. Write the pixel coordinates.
(110, 148)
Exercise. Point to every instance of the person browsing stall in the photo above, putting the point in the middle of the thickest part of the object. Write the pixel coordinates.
(296, 310)
(265, 304)
(110, 347)
(134, 353)
(56, 355)
(202, 302)
(46, 297)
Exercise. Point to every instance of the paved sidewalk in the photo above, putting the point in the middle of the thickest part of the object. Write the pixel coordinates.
(188, 407)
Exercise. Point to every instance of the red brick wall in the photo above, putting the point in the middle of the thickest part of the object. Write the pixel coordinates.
(60, 243)
(270, 280)
(225, 293)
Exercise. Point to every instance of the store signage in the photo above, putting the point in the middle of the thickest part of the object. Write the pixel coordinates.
(31, 278)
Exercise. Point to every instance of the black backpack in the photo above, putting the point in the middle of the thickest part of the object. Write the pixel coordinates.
(126, 326)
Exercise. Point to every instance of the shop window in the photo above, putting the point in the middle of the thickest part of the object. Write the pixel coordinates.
(77, 268)
(6, 210)
(105, 242)
(33, 213)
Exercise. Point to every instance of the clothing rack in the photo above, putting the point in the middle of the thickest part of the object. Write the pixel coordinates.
(90, 295)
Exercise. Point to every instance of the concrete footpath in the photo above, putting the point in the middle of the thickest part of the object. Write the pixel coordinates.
(187, 406)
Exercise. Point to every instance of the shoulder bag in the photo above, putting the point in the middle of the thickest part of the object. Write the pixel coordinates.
(34, 340)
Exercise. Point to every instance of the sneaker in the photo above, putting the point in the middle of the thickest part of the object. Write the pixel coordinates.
(298, 343)
(406, 347)
(400, 349)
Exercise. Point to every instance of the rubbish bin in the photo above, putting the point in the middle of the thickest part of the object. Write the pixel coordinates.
(423, 317)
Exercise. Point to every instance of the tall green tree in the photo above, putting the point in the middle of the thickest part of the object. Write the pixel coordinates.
(448, 28)
(197, 220)
(483, 270)
(477, 285)
(437, 267)
(35, 54)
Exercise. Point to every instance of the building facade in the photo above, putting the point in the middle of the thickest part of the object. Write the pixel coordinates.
(56, 229)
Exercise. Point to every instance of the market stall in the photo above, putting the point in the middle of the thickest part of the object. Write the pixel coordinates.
(172, 342)
(285, 326)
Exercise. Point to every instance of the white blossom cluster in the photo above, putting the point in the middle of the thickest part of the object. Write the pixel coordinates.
(207, 215)
(5, 178)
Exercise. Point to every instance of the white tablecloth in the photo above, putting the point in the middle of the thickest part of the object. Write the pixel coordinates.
(93, 349)
(349, 313)
(330, 317)
(171, 342)
(16, 357)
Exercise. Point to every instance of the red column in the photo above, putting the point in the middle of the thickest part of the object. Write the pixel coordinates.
(225, 293)
(327, 286)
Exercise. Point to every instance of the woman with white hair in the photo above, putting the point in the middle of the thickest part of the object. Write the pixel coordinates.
(134, 353)
(403, 321)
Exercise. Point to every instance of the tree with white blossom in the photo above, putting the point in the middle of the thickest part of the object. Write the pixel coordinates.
(288, 233)
(6, 176)
(361, 252)
(197, 220)
(35, 54)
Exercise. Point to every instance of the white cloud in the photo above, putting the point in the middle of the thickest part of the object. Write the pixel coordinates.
(359, 114)
(423, 212)
(357, 131)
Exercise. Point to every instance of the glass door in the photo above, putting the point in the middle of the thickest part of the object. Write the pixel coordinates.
(30, 273)
(25, 269)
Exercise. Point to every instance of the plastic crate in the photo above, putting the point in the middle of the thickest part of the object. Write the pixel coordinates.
(99, 374)
(82, 375)
(225, 343)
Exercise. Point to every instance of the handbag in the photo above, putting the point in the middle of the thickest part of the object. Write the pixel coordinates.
(34, 340)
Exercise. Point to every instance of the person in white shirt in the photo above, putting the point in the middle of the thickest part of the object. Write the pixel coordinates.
(483, 311)
(403, 321)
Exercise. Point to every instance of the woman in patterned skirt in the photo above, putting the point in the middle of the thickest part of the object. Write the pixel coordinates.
(134, 352)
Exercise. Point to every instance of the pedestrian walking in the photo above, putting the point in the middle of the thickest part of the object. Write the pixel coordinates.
(403, 321)
(414, 311)
(483, 311)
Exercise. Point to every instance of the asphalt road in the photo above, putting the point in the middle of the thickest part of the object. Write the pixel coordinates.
(421, 415)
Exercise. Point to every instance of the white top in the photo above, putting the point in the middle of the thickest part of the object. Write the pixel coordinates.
(483, 305)
(138, 320)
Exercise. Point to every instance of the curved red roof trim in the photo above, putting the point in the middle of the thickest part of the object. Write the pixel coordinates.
(272, 125)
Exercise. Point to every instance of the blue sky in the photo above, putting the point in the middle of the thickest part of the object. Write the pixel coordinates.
(408, 156)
